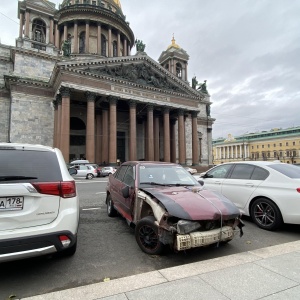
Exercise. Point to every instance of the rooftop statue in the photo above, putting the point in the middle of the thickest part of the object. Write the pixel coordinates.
(202, 87)
(140, 46)
(194, 82)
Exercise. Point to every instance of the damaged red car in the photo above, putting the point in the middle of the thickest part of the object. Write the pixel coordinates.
(167, 206)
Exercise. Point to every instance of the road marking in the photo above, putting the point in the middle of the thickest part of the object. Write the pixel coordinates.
(100, 193)
(93, 208)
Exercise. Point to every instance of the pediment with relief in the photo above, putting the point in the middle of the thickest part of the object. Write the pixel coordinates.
(140, 72)
(41, 3)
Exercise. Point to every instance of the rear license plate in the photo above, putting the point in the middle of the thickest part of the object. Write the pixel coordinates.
(11, 203)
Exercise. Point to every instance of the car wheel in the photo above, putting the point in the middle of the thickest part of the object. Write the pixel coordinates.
(111, 211)
(266, 214)
(146, 235)
(89, 176)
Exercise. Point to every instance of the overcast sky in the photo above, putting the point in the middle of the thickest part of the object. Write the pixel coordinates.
(247, 50)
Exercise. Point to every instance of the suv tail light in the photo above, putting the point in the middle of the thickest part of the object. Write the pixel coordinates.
(64, 189)
(65, 241)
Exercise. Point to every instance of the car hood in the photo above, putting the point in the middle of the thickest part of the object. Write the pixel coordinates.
(194, 203)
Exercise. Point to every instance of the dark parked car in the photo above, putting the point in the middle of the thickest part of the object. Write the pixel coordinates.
(168, 206)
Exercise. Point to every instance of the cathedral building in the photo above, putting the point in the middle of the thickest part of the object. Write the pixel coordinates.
(71, 81)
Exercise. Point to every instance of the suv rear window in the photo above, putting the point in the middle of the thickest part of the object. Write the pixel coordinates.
(287, 170)
(42, 165)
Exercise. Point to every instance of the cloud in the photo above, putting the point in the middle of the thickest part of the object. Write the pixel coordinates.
(248, 51)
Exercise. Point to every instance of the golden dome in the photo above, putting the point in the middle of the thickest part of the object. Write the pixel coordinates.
(174, 45)
(117, 2)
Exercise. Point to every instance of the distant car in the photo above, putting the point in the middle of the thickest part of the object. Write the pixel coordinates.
(191, 170)
(269, 192)
(79, 162)
(167, 206)
(106, 171)
(85, 171)
(39, 211)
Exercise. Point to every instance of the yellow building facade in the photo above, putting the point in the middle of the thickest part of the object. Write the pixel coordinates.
(276, 144)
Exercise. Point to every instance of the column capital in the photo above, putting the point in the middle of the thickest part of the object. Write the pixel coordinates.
(132, 103)
(112, 100)
(90, 97)
(180, 112)
(150, 107)
(166, 109)
(194, 114)
(65, 91)
(99, 23)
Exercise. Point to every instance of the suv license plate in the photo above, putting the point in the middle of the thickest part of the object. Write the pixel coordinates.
(11, 203)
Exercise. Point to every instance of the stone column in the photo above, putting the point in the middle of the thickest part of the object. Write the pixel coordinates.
(27, 16)
(156, 137)
(195, 150)
(47, 34)
(87, 36)
(99, 38)
(118, 44)
(109, 43)
(129, 50)
(51, 41)
(90, 127)
(125, 47)
(105, 135)
(113, 131)
(173, 140)
(21, 24)
(56, 104)
(98, 157)
(132, 131)
(167, 152)
(150, 132)
(58, 127)
(65, 123)
(56, 38)
(75, 49)
(181, 141)
(65, 31)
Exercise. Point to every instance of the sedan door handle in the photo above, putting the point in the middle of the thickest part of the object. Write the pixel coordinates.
(218, 182)
(250, 184)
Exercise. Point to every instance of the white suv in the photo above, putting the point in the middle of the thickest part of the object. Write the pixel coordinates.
(39, 205)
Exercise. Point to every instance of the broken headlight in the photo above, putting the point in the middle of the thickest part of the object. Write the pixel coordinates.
(184, 227)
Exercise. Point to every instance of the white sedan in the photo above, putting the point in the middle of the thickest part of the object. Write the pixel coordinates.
(269, 192)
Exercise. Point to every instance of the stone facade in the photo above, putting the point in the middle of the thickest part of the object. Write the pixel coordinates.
(61, 88)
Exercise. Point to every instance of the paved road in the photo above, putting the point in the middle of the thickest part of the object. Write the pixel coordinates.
(107, 249)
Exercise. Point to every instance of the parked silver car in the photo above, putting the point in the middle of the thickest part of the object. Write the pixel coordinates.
(85, 171)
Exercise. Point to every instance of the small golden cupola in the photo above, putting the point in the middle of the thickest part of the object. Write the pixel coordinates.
(175, 59)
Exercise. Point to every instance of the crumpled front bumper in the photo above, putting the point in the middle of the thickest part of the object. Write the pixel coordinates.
(204, 238)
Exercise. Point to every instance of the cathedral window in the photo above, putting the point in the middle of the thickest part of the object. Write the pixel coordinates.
(103, 45)
(39, 31)
(115, 49)
(82, 42)
(179, 70)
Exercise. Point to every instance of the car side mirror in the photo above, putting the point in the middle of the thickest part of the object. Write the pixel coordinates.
(73, 171)
(201, 181)
(125, 191)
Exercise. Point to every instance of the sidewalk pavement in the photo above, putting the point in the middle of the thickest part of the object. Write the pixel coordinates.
(270, 273)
